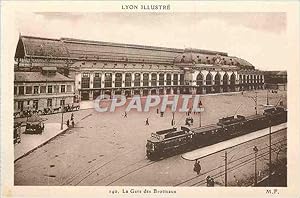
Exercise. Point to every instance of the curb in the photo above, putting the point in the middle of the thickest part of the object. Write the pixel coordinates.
(42, 144)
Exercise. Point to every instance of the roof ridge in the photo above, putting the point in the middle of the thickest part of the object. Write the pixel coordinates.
(36, 37)
(120, 44)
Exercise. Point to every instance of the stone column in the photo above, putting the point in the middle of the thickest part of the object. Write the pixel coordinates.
(91, 80)
(123, 79)
(102, 79)
(113, 75)
(165, 80)
(172, 78)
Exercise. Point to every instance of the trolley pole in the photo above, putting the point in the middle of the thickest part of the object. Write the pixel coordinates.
(62, 118)
(255, 103)
(199, 118)
(267, 96)
(270, 157)
(255, 165)
(225, 168)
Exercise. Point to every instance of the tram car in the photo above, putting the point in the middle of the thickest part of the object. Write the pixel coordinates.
(173, 141)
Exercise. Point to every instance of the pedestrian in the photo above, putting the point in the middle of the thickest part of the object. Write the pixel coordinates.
(68, 123)
(73, 123)
(197, 167)
(236, 181)
(210, 181)
(72, 116)
(125, 114)
(192, 121)
(157, 111)
(147, 122)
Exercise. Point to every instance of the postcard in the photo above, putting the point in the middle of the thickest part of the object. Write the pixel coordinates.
(150, 99)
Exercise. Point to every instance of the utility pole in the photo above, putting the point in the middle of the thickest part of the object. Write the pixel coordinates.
(267, 96)
(270, 157)
(62, 117)
(255, 165)
(255, 100)
(225, 168)
(199, 118)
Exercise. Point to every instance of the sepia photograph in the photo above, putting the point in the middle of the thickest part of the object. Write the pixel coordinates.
(141, 100)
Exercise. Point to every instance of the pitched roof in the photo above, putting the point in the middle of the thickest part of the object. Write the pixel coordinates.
(39, 77)
(67, 48)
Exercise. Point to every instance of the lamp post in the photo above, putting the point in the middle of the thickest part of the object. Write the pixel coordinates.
(255, 101)
(225, 168)
(173, 116)
(270, 157)
(255, 149)
(267, 96)
(62, 117)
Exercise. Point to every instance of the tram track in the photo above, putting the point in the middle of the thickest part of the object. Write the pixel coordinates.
(245, 158)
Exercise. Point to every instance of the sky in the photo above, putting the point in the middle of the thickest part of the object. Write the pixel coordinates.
(258, 37)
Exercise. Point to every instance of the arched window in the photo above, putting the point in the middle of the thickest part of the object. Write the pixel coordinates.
(128, 80)
(199, 79)
(161, 79)
(153, 80)
(217, 79)
(232, 79)
(208, 79)
(145, 80)
(108, 80)
(118, 80)
(168, 79)
(225, 79)
(175, 79)
(137, 79)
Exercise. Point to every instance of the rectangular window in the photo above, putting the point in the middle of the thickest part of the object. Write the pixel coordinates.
(21, 90)
(175, 79)
(63, 88)
(36, 89)
(20, 105)
(49, 88)
(35, 104)
(15, 90)
(85, 82)
(97, 81)
(28, 89)
(43, 89)
(69, 88)
(56, 88)
(181, 79)
(49, 102)
(62, 102)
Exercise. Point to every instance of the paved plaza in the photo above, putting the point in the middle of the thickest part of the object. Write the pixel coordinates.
(109, 149)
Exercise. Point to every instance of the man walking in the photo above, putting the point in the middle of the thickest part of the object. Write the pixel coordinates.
(197, 167)
(147, 122)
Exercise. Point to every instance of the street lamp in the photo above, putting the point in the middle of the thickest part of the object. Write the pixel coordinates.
(270, 157)
(228, 161)
(255, 149)
(255, 100)
(62, 117)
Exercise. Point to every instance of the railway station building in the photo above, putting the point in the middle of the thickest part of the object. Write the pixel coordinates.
(98, 68)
